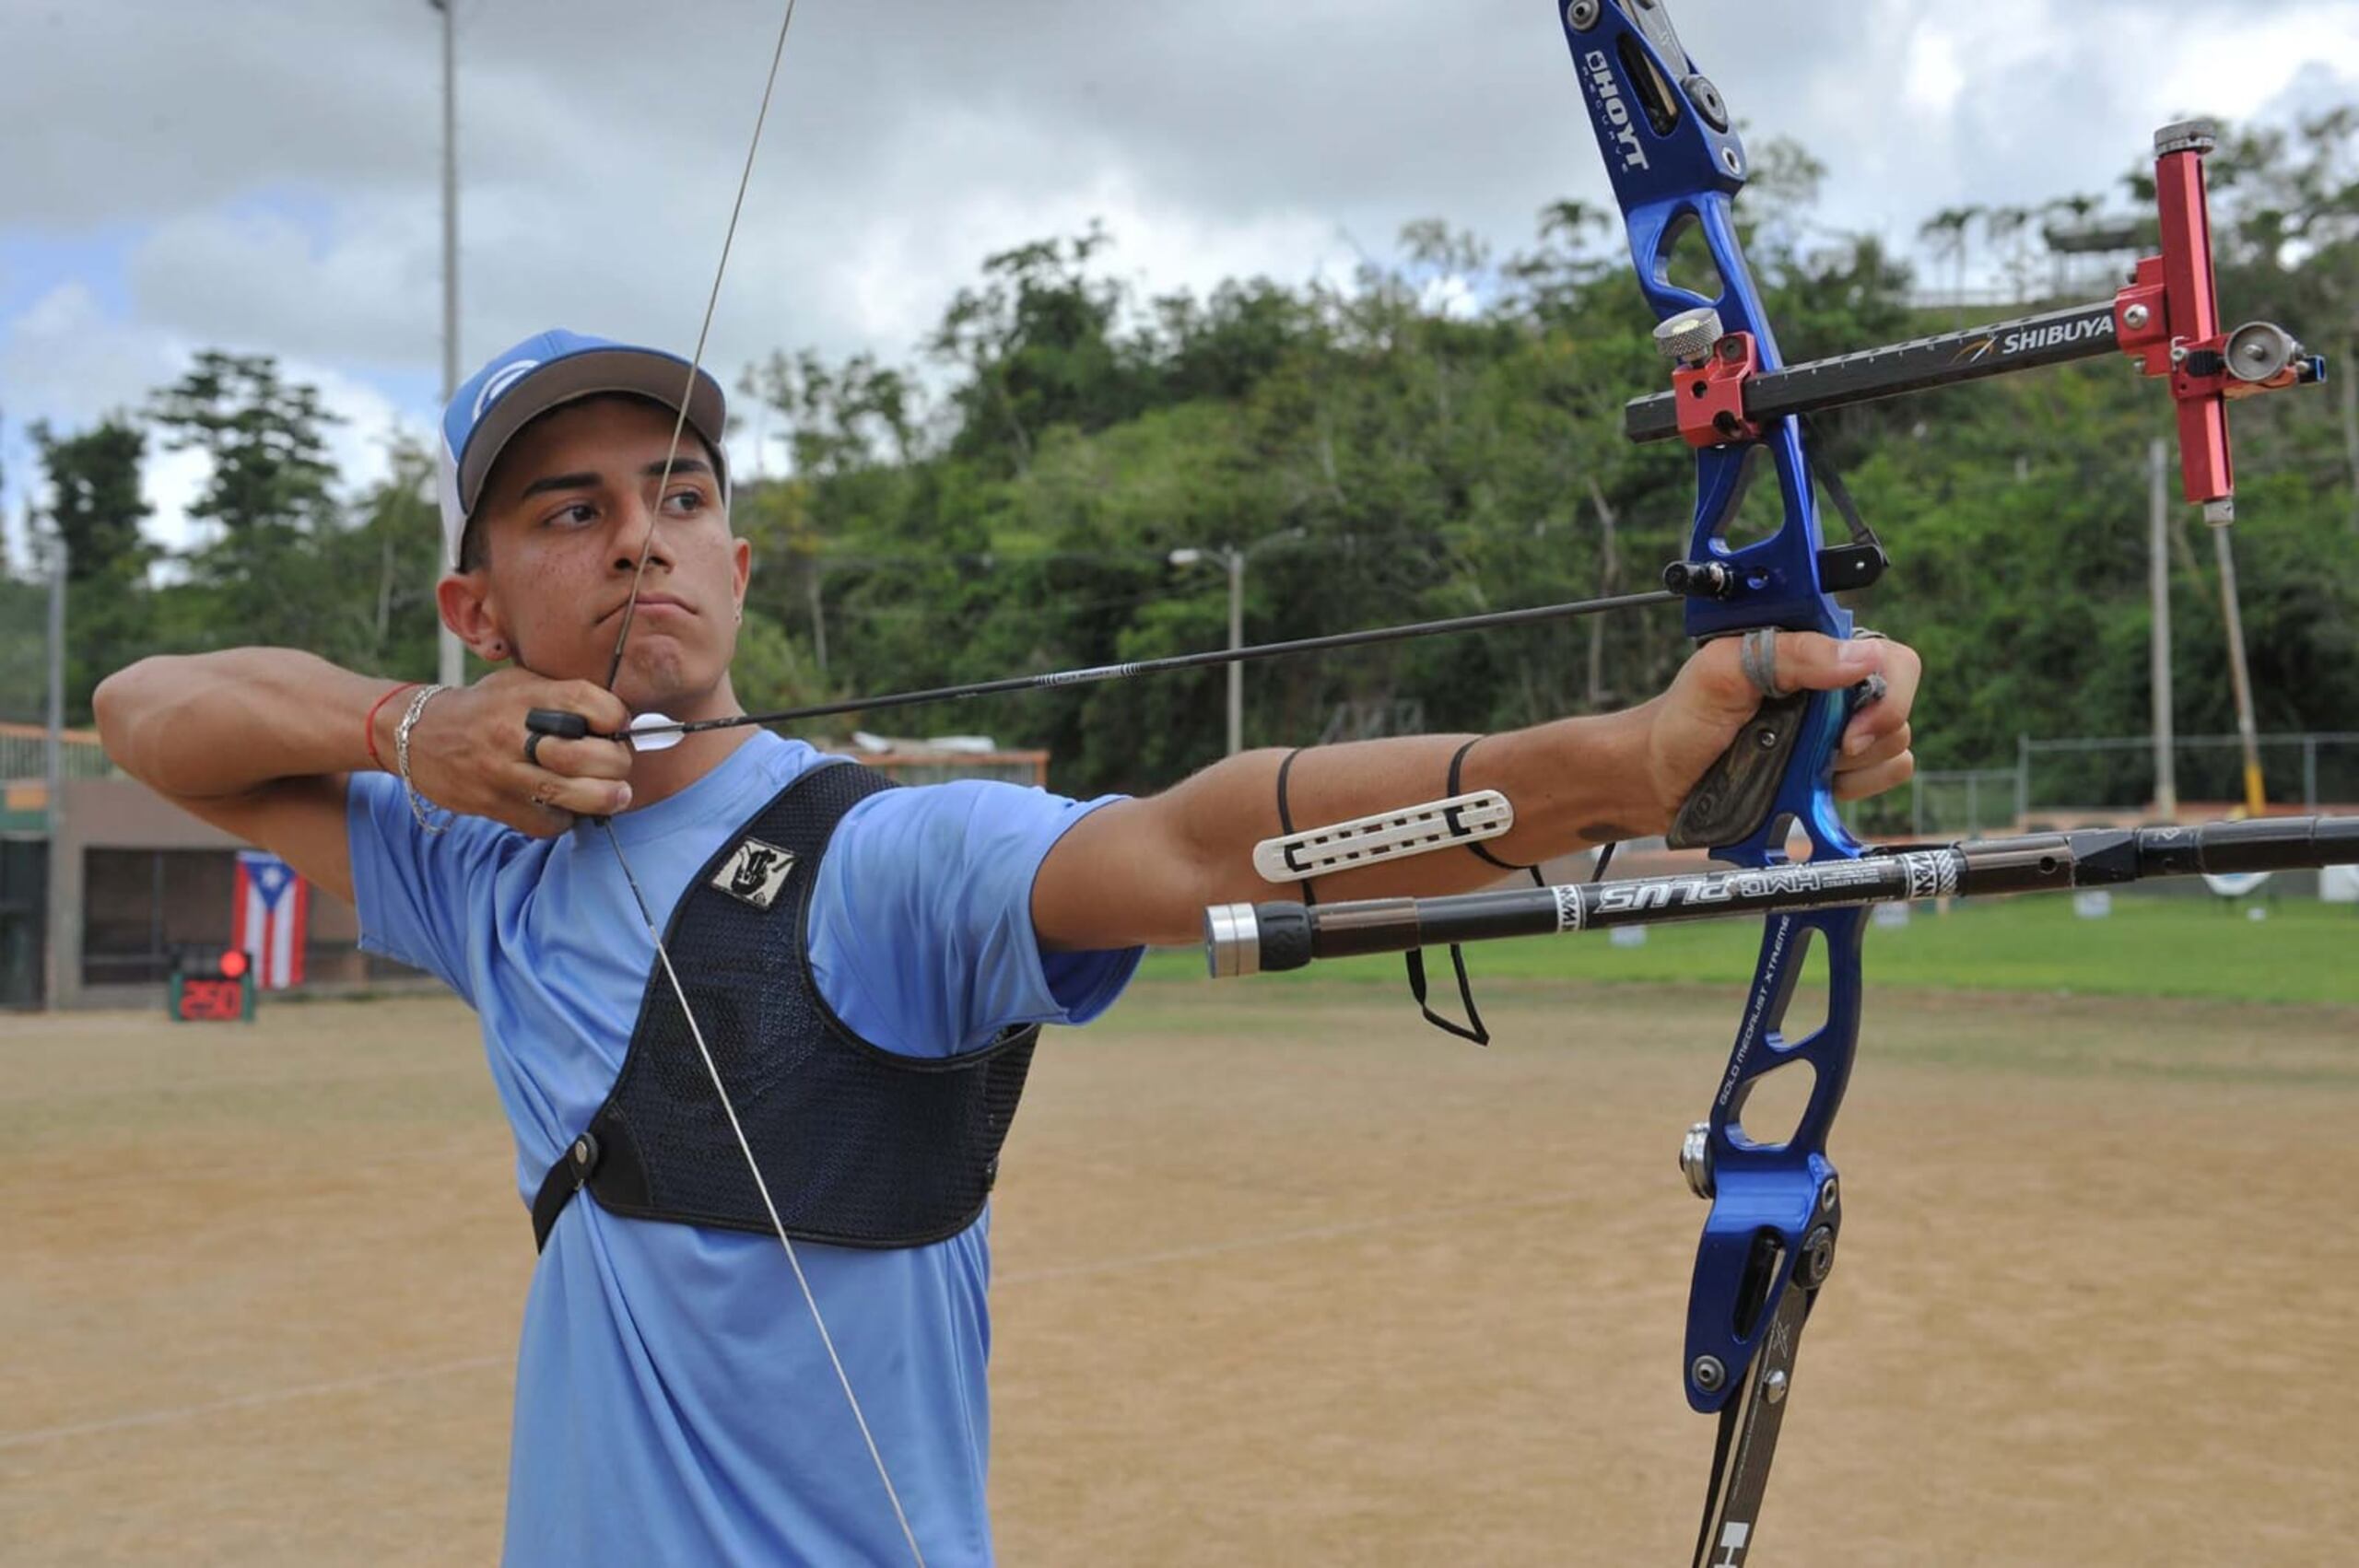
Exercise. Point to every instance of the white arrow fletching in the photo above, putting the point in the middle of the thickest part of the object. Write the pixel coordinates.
(664, 738)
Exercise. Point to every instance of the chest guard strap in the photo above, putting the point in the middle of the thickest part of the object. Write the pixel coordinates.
(861, 1147)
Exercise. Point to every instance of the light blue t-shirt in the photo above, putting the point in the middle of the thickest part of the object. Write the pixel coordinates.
(673, 1402)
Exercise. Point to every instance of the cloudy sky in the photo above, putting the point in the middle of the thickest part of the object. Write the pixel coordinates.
(263, 175)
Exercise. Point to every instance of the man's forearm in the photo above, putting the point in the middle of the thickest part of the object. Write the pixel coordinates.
(1573, 783)
(1143, 871)
(214, 725)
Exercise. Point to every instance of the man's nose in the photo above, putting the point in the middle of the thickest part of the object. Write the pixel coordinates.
(636, 536)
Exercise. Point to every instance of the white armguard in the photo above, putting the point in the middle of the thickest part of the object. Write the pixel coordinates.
(1387, 836)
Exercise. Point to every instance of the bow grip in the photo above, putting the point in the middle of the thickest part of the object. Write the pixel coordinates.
(1733, 800)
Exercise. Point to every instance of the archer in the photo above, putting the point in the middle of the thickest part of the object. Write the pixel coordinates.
(784, 960)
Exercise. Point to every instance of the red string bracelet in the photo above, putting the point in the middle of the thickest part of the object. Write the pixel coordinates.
(368, 725)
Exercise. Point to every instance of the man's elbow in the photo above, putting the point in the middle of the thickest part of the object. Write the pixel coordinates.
(120, 705)
(110, 707)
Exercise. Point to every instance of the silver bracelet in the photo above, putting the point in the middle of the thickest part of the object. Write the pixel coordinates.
(418, 803)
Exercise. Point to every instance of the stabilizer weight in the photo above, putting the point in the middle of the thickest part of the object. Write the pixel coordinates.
(1251, 938)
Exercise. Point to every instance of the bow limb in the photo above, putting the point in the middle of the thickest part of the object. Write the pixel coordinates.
(1676, 163)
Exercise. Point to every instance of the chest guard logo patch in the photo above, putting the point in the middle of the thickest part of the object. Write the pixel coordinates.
(754, 873)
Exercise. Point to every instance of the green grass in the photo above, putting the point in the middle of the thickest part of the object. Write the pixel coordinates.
(2301, 952)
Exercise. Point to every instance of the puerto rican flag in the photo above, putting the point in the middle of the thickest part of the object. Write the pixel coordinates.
(272, 911)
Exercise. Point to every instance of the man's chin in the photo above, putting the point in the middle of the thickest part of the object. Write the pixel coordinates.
(653, 681)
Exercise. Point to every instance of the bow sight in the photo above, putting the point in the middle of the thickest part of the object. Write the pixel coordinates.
(2166, 317)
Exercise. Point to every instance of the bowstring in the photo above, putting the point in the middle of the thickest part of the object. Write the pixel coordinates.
(793, 1258)
(704, 330)
(646, 915)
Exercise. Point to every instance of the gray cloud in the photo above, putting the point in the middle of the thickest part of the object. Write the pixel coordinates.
(275, 164)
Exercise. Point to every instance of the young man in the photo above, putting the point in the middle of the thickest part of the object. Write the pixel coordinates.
(862, 967)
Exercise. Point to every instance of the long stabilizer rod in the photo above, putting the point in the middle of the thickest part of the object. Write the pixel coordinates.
(1244, 939)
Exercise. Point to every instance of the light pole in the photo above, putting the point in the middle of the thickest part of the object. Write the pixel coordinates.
(52, 978)
(1233, 558)
(452, 662)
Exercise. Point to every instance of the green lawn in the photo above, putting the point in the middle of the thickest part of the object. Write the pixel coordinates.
(2302, 951)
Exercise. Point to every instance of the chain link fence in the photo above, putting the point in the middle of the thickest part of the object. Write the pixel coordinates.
(2077, 776)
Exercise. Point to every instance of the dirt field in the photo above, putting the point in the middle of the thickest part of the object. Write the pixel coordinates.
(1285, 1277)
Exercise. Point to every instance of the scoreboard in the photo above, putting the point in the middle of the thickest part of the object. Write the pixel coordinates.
(212, 986)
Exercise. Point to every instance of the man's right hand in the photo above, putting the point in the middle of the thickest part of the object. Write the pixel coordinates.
(466, 753)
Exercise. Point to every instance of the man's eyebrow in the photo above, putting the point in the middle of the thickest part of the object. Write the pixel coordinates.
(588, 481)
(559, 482)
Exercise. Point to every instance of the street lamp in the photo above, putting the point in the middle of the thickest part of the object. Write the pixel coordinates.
(451, 658)
(1234, 559)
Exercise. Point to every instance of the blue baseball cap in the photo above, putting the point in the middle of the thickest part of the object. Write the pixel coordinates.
(548, 370)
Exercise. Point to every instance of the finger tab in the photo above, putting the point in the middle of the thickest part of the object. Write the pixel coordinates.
(557, 723)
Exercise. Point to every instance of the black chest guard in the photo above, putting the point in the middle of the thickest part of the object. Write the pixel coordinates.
(860, 1146)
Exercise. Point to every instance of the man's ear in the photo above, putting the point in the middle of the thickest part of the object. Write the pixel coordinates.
(465, 600)
(741, 570)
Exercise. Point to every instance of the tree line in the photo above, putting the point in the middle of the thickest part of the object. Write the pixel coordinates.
(1052, 484)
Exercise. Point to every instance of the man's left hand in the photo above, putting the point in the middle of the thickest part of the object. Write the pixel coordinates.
(1694, 722)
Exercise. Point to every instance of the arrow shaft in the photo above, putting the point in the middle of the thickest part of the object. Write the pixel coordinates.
(1492, 620)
